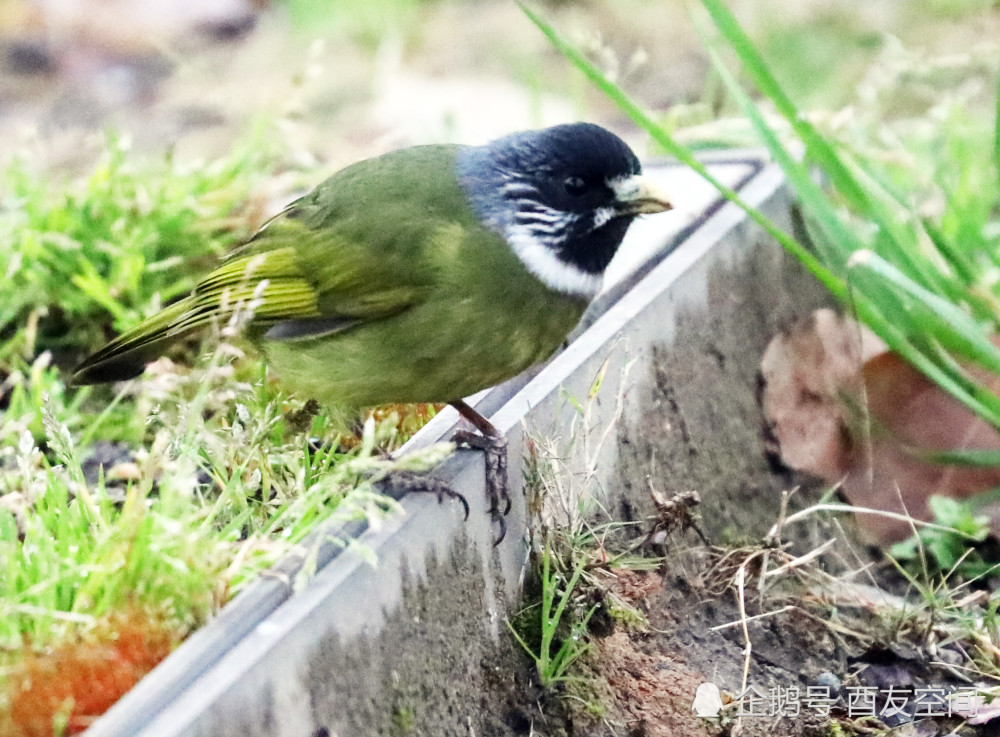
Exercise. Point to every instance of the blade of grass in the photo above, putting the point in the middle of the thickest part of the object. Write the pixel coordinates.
(969, 457)
(938, 317)
(996, 130)
(818, 148)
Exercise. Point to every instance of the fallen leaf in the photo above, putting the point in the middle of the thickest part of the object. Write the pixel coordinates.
(843, 408)
(908, 417)
(806, 372)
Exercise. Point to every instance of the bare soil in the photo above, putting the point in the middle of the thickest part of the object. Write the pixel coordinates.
(645, 678)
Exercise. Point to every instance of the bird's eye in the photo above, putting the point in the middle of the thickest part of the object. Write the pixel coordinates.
(574, 186)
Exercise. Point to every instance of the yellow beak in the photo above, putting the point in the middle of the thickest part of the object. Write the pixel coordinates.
(639, 195)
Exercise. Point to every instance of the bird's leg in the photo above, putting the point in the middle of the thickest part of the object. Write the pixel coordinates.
(494, 447)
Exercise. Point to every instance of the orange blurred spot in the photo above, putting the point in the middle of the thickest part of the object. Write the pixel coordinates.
(83, 678)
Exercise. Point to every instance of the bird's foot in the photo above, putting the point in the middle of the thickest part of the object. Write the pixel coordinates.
(494, 448)
(405, 482)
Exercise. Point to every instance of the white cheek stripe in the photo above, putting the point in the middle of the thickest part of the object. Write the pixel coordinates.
(543, 262)
(603, 216)
(625, 188)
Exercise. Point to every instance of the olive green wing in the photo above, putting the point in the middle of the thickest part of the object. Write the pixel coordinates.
(264, 287)
(373, 239)
(275, 289)
(364, 245)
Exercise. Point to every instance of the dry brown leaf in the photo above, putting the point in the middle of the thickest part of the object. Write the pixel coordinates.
(844, 409)
(806, 370)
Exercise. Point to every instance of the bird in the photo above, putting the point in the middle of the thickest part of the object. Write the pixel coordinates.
(422, 275)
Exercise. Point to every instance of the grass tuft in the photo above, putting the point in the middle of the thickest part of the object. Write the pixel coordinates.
(83, 258)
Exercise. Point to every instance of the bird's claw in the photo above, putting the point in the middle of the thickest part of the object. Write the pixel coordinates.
(494, 448)
(405, 482)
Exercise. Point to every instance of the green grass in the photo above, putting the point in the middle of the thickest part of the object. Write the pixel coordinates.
(945, 552)
(566, 588)
(223, 484)
(368, 24)
(81, 257)
(226, 479)
(901, 202)
(559, 629)
(821, 63)
(221, 473)
(926, 287)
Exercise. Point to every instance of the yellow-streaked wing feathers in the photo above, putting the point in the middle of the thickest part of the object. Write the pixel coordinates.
(266, 287)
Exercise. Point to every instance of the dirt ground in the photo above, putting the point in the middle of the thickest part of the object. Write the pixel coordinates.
(645, 677)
